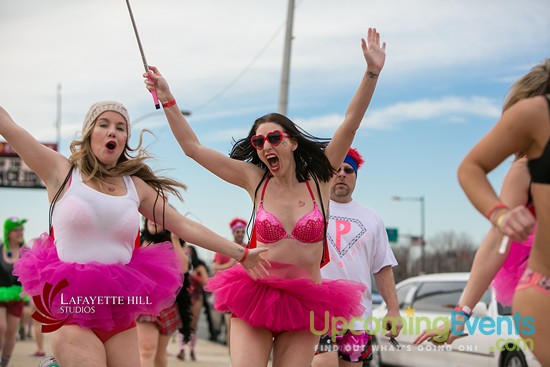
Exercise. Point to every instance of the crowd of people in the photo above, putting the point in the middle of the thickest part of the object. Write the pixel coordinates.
(311, 250)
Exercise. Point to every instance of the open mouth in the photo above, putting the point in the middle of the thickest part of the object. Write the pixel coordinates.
(111, 145)
(273, 162)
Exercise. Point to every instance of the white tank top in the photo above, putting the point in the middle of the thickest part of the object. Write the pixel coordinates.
(92, 226)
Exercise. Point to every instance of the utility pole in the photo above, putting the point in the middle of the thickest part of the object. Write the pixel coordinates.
(285, 78)
(422, 201)
(58, 119)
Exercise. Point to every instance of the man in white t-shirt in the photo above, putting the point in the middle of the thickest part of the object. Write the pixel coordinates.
(359, 247)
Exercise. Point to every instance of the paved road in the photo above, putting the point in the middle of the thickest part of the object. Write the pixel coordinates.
(208, 354)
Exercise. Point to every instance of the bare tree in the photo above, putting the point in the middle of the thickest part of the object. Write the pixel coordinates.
(445, 252)
(449, 252)
(402, 256)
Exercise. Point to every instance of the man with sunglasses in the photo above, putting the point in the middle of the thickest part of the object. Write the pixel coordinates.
(359, 247)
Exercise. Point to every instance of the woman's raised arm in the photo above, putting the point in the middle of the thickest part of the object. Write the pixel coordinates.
(375, 56)
(49, 165)
(231, 170)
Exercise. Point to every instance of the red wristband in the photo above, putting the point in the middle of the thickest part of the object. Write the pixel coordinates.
(169, 103)
(495, 207)
(245, 255)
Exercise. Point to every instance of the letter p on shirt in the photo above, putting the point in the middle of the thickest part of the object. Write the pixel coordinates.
(342, 227)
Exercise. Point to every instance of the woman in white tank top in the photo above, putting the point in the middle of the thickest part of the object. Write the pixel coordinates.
(89, 278)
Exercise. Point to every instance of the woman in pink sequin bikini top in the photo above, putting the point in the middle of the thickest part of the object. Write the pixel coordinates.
(277, 309)
(309, 229)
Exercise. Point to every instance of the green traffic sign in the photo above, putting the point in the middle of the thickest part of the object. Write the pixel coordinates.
(393, 234)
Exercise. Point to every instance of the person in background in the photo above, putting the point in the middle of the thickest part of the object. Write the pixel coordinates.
(238, 229)
(198, 277)
(359, 247)
(221, 262)
(25, 326)
(184, 303)
(154, 331)
(11, 303)
(35, 325)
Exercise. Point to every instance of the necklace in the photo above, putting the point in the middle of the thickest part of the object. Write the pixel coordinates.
(110, 187)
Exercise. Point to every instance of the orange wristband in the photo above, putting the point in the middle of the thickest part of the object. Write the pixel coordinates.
(495, 207)
(169, 103)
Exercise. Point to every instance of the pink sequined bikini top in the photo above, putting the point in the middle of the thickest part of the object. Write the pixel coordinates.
(309, 229)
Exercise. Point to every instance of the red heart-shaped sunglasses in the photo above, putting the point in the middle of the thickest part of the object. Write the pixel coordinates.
(274, 138)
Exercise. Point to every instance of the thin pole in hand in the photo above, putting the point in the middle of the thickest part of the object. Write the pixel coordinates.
(153, 92)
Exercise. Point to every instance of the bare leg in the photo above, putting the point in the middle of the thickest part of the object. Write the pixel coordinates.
(160, 357)
(251, 346)
(122, 349)
(192, 344)
(74, 346)
(196, 308)
(13, 323)
(148, 335)
(327, 359)
(294, 349)
(37, 331)
(3, 326)
(25, 322)
(38, 336)
(227, 318)
(533, 303)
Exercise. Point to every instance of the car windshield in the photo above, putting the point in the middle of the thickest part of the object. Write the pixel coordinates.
(441, 296)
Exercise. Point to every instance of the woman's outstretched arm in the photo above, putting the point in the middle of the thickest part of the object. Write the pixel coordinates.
(152, 208)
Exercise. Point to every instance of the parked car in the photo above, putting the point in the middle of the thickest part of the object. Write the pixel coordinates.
(436, 295)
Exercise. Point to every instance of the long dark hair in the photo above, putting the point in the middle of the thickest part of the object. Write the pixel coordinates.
(194, 258)
(309, 155)
(162, 236)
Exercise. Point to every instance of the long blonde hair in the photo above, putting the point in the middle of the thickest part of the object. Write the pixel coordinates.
(535, 83)
(128, 164)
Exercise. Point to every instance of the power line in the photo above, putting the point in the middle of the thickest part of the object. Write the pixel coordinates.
(245, 70)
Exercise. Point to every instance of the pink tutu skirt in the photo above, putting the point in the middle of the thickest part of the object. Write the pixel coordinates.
(508, 276)
(96, 295)
(285, 300)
